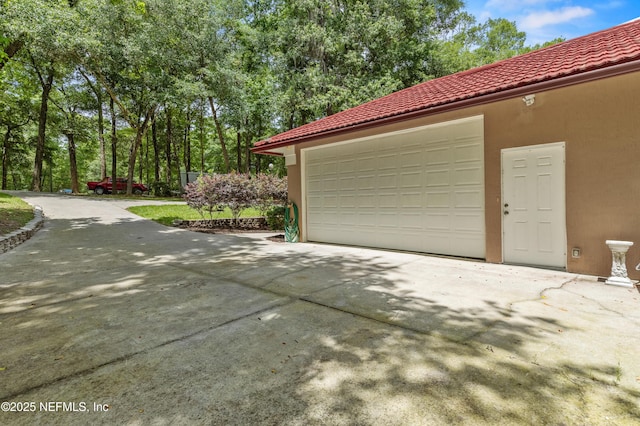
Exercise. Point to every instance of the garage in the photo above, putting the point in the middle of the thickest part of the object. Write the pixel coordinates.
(419, 190)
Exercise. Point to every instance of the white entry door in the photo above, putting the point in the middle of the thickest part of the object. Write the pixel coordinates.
(533, 209)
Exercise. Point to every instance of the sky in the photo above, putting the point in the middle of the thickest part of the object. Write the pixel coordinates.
(545, 20)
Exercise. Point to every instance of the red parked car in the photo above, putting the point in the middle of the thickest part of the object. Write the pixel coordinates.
(106, 185)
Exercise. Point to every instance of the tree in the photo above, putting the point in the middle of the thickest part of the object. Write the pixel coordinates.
(129, 73)
(98, 92)
(45, 77)
(47, 29)
(473, 45)
(16, 113)
(72, 100)
(223, 73)
(332, 55)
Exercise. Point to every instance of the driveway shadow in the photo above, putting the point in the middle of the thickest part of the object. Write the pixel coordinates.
(234, 330)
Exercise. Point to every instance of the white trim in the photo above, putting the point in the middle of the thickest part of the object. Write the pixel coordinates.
(398, 132)
(303, 191)
(537, 146)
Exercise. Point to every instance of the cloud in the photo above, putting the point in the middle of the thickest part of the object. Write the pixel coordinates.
(541, 19)
(514, 5)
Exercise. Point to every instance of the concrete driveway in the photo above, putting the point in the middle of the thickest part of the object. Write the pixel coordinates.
(106, 318)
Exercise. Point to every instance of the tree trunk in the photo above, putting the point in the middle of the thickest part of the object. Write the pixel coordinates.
(187, 144)
(103, 154)
(247, 161)
(177, 158)
(141, 162)
(239, 149)
(168, 147)
(114, 145)
(146, 160)
(6, 147)
(156, 153)
(36, 183)
(133, 152)
(202, 154)
(73, 165)
(223, 145)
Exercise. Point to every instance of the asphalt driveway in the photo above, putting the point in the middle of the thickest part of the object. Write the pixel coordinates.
(106, 318)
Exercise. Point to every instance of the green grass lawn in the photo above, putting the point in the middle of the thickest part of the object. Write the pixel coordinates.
(14, 213)
(166, 214)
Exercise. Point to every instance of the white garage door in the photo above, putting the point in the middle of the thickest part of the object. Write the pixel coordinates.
(419, 190)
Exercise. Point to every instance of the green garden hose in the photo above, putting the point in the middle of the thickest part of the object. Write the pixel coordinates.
(291, 230)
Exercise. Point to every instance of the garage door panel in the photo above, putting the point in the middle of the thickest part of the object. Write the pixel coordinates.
(410, 220)
(468, 176)
(388, 162)
(387, 181)
(330, 202)
(349, 218)
(366, 182)
(468, 152)
(388, 219)
(327, 169)
(315, 202)
(411, 200)
(368, 164)
(437, 178)
(422, 191)
(388, 200)
(467, 223)
(330, 184)
(367, 203)
(347, 200)
(411, 159)
(438, 156)
(469, 199)
(439, 242)
(367, 221)
(438, 199)
(411, 179)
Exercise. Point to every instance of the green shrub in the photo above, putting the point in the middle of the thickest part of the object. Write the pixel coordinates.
(275, 218)
(161, 189)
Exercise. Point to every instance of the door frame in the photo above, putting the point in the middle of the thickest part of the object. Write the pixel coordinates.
(562, 146)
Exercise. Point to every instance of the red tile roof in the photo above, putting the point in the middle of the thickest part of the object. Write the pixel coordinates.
(598, 51)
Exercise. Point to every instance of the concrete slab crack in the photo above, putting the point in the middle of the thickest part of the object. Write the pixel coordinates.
(131, 355)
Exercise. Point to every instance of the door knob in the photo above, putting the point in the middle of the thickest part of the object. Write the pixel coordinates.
(506, 212)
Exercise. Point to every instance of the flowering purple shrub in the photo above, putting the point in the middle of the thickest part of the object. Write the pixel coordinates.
(236, 191)
(272, 191)
(201, 195)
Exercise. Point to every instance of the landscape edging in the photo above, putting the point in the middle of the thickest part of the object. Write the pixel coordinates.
(19, 236)
(243, 223)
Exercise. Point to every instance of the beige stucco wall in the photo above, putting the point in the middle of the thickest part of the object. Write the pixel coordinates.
(600, 124)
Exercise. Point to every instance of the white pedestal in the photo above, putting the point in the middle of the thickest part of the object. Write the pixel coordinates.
(619, 275)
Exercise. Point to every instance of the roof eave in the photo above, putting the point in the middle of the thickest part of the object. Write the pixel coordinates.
(556, 83)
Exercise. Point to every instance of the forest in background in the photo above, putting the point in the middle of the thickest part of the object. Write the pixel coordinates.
(147, 89)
